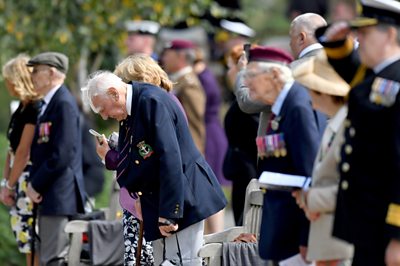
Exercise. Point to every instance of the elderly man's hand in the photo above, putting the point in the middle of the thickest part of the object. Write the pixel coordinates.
(102, 147)
(33, 194)
(392, 256)
(166, 226)
(242, 62)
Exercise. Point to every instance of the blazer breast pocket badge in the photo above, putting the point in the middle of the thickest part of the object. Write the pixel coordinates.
(44, 132)
(384, 91)
(145, 150)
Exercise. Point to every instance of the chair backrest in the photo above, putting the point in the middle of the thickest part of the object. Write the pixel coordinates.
(253, 205)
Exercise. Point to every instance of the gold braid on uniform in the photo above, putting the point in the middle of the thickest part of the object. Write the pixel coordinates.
(340, 52)
(359, 76)
(393, 215)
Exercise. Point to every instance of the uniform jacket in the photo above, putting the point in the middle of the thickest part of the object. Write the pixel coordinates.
(322, 196)
(56, 155)
(369, 162)
(172, 177)
(284, 225)
(193, 99)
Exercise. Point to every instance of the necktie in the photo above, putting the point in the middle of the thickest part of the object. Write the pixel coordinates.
(41, 104)
(269, 127)
(123, 147)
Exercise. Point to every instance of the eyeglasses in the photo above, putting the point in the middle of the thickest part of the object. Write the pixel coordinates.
(37, 70)
(251, 74)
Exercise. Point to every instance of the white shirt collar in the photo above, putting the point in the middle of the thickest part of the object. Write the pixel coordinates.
(378, 68)
(310, 48)
(129, 99)
(47, 98)
(277, 106)
(337, 120)
(175, 76)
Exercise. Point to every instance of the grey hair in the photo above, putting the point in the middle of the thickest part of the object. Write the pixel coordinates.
(285, 72)
(308, 23)
(58, 74)
(98, 84)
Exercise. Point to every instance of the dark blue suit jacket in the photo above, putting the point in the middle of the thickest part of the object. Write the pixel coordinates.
(56, 172)
(175, 181)
(284, 226)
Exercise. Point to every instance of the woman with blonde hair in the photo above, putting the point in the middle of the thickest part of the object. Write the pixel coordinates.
(20, 134)
(141, 68)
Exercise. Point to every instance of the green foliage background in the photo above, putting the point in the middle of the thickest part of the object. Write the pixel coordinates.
(91, 33)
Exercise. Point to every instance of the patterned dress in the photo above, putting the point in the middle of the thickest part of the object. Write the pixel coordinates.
(21, 215)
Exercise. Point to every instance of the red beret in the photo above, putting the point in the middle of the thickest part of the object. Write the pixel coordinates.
(270, 54)
(179, 44)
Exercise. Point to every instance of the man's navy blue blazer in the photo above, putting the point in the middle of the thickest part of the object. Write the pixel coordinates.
(174, 181)
(56, 172)
(284, 226)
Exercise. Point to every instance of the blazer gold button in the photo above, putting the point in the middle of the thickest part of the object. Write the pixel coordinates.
(136, 162)
(352, 132)
(345, 167)
(348, 149)
(176, 212)
(345, 185)
(177, 205)
(140, 193)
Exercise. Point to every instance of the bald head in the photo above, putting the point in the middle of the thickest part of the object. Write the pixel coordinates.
(302, 31)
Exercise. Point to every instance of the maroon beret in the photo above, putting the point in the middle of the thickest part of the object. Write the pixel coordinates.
(270, 54)
(179, 44)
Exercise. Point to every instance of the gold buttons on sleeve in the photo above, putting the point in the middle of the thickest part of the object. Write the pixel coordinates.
(345, 167)
(140, 193)
(347, 123)
(344, 185)
(136, 162)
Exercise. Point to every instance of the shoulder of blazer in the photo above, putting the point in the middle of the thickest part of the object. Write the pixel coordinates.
(391, 71)
(297, 96)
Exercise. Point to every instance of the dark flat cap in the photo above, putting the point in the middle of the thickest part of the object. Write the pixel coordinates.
(54, 59)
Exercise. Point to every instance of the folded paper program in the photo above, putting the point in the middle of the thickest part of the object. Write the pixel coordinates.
(278, 181)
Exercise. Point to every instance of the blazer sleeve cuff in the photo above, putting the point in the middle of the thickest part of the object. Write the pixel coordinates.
(111, 160)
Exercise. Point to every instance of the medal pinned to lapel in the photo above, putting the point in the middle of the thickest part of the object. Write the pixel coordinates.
(145, 150)
(44, 132)
(384, 91)
(275, 123)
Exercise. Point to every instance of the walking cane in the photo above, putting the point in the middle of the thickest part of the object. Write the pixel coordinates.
(140, 242)
(34, 213)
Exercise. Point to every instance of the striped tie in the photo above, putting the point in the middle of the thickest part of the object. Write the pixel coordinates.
(124, 147)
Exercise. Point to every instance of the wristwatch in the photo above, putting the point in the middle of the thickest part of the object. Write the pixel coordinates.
(4, 183)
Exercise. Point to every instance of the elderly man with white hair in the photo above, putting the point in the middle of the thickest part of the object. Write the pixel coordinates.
(159, 165)
(289, 146)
